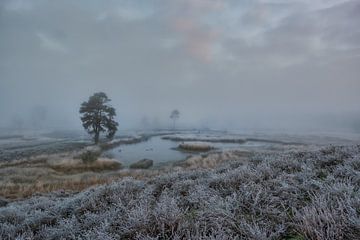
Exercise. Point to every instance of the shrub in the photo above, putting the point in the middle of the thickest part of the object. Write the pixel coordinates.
(142, 164)
(89, 156)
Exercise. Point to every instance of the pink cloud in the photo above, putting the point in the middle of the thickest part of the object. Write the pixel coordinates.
(198, 37)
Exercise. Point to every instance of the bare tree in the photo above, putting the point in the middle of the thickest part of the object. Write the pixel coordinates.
(175, 114)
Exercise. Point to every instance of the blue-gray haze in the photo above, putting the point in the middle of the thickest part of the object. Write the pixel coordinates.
(240, 64)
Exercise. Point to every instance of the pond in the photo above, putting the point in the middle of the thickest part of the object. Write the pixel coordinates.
(156, 149)
(162, 151)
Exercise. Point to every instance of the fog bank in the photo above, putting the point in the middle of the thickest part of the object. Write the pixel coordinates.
(264, 64)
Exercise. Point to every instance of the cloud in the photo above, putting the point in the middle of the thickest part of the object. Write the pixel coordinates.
(51, 44)
(299, 36)
(18, 5)
(190, 20)
(309, 4)
(215, 60)
(198, 41)
(128, 11)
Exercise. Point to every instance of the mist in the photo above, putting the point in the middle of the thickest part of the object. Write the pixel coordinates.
(264, 64)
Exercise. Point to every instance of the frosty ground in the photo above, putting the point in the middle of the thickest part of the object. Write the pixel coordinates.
(290, 195)
(40, 163)
(291, 187)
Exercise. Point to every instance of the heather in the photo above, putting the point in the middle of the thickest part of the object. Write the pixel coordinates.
(289, 195)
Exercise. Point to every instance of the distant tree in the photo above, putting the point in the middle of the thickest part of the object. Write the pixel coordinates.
(145, 124)
(155, 123)
(175, 114)
(17, 123)
(98, 116)
(38, 116)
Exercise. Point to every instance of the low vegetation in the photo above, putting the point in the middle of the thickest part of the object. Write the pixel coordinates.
(89, 156)
(195, 147)
(142, 164)
(46, 173)
(213, 160)
(78, 166)
(297, 195)
(29, 148)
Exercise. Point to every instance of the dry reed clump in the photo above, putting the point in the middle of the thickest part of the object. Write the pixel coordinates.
(16, 190)
(195, 147)
(77, 165)
(142, 164)
(271, 196)
(24, 183)
(46, 173)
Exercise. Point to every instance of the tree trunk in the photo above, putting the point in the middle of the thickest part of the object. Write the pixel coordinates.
(96, 137)
(97, 127)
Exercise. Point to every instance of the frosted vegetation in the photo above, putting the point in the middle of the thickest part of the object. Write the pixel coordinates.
(295, 195)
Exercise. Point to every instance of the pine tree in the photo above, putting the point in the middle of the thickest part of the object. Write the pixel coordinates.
(98, 116)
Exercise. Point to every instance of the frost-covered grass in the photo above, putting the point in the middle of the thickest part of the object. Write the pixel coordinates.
(213, 160)
(20, 148)
(298, 195)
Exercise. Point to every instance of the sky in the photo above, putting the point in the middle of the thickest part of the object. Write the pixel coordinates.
(230, 64)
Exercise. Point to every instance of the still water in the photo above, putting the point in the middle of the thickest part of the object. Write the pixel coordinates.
(162, 151)
(156, 149)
